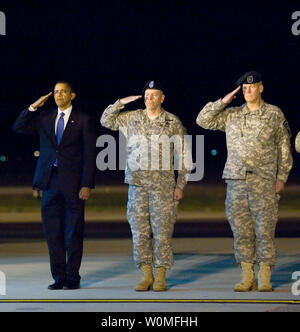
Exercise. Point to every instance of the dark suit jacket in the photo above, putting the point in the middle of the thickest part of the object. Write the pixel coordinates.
(76, 153)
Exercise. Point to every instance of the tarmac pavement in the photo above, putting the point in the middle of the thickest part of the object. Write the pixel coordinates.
(202, 279)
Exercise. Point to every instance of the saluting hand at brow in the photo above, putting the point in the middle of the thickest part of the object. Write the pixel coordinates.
(41, 101)
(228, 98)
(130, 99)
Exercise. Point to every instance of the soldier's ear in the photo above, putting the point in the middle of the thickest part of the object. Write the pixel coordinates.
(163, 98)
(261, 88)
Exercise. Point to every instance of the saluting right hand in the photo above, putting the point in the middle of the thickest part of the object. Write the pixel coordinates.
(41, 101)
(130, 99)
(232, 95)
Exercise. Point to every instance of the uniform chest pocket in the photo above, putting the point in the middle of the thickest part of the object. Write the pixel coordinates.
(160, 128)
(170, 129)
(135, 128)
(233, 131)
(266, 133)
(167, 130)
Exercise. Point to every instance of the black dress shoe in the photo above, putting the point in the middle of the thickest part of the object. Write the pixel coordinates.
(57, 285)
(72, 285)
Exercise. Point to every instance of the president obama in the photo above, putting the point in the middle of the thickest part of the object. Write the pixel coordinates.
(65, 173)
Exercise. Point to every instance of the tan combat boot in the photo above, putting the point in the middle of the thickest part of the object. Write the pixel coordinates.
(160, 284)
(264, 278)
(248, 281)
(147, 280)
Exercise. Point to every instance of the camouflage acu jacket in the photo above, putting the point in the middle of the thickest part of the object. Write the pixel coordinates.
(147, 163)
(297, 143)
(257, 141)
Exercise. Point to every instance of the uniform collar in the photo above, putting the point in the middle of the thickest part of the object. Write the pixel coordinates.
(260, 111)
(160, 118)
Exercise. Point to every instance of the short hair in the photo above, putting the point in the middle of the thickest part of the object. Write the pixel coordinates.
(70, 86)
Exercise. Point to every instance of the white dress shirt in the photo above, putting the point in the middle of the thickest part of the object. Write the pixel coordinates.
(66, 117)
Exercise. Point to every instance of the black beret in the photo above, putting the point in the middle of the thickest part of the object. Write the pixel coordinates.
(154, 85)
(250, 78)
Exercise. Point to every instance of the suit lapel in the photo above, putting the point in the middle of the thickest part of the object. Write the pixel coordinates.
(49, 127)
(68, 130)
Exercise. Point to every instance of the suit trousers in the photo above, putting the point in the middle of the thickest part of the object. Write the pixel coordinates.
(63, 226)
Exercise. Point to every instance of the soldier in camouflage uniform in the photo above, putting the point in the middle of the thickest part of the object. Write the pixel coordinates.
(258, 164)
(153, 194)
(297, 143)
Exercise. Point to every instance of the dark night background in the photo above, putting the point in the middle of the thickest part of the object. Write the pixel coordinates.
(109, 49)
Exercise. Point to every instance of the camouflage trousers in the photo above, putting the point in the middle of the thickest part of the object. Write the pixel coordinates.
(252, 211)
(152, 212)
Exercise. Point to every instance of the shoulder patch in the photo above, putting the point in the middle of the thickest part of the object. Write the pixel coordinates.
(287, 127)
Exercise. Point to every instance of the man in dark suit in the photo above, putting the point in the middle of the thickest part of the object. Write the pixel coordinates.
(65, 172)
